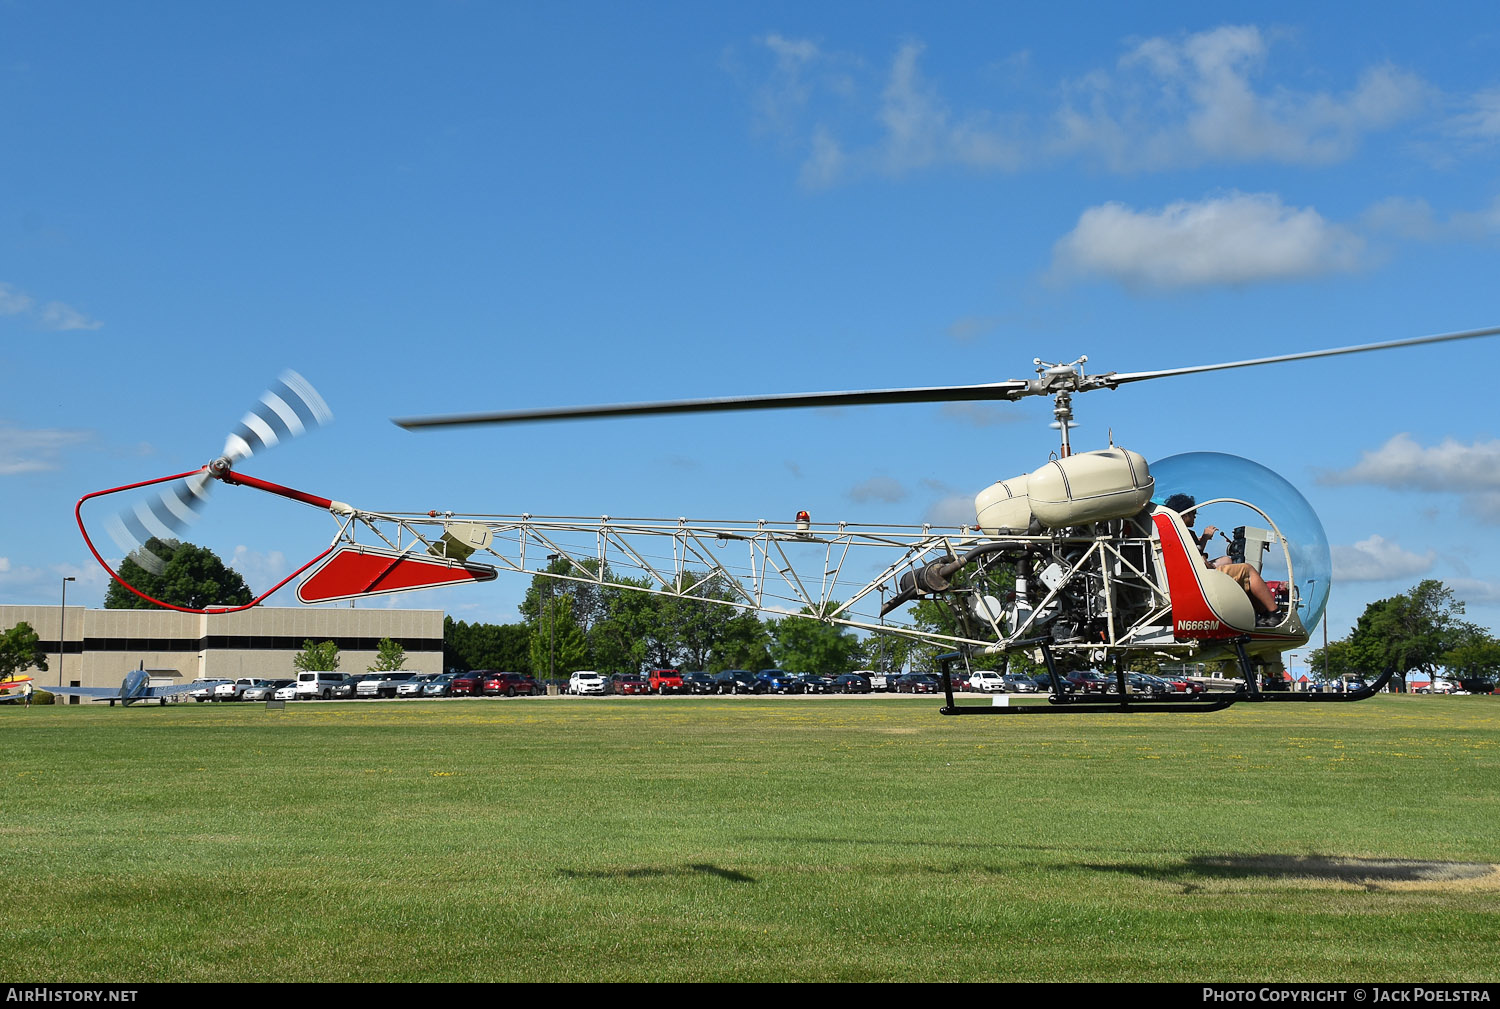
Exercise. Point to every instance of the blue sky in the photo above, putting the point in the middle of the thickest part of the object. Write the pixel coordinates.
(429, 208)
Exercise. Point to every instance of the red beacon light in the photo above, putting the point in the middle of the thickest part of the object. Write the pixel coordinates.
(804, 522)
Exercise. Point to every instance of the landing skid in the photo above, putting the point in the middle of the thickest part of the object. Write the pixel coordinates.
(1059, 702)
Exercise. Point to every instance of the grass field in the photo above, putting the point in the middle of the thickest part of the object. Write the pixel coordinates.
(751, 839)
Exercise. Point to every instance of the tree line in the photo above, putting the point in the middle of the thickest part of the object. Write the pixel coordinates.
(1421, 630)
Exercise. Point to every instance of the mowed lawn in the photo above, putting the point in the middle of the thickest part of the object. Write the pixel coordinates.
(757, 839)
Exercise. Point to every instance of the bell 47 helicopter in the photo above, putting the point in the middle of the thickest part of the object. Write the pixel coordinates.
(1088, 561)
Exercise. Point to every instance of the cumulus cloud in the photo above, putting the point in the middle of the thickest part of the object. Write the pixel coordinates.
(1171, 102)
(25, 450)
(1378, 559)
(1404, 464)
(878, 488)
(1165, 104)
(1470, 471)
(1238, 238)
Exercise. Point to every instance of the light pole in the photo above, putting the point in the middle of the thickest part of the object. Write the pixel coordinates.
(62, 634)
(551, 622)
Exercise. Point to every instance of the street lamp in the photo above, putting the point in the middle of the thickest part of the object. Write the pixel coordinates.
(551, 623)
(62, 634)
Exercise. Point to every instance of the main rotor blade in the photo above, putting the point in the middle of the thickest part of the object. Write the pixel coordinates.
(1137, 376)
(935, 394)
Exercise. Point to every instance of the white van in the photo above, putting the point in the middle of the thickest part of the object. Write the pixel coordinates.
(313, 685)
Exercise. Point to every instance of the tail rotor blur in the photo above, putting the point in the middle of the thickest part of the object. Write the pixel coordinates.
(291, 407)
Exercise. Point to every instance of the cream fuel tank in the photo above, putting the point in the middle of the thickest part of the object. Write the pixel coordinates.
(1111, 483)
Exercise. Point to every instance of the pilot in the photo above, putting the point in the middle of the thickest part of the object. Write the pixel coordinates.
(1248, 578)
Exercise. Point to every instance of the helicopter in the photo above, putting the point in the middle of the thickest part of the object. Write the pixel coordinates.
(1090, 560)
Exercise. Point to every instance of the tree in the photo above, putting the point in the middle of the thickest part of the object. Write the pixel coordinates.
(1408, 632)
(20, 650)
(389, 656)
(1474, 661)
(802, 645)
(187, 575)
(745, 643)
(1337, 661)
(558, 644)
(316, 658)
(486, 646)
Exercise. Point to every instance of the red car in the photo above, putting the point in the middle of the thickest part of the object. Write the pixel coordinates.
(466, 684)
(666, 681)
(627, 683)
(509, 684)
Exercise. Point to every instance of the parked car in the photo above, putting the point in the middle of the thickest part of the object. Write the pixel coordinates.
(467, 684)
(988, 682)
(628, 683)
(699, 683)
(205, 691)
(1012, 683)
(439, 685)
(311, 684)
(851, 683)
(510, 684)
(734, 681)
(287, 692)
(349, 688)
(775, 681)
(414, 686)
(812, 683)
(234, 690)
(383, 684)
(917, 683)
(666, 681)
(586, 681)
(263, 691)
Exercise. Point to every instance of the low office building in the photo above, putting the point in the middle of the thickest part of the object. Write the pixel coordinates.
(98, 646)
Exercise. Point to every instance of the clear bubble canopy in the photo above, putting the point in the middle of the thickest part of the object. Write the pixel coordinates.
(1212, 476)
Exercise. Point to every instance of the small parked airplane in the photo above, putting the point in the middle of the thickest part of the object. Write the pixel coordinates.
(136, 686)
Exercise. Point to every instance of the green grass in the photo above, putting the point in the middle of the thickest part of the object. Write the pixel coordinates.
(696, 838)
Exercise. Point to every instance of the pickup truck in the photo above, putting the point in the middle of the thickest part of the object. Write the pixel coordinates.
(234, 690)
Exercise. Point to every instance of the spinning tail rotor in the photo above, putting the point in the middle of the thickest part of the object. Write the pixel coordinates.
(289, 408)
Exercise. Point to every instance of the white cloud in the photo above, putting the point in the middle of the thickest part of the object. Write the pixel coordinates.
(4, 565)
(1165, 104)
(1378, 559)
(878, 488)
(1414, 218)
(54, 315)
(1481, 121)
(31, 451)
(1172, 103)
(1403, 464)
(13, 301)
(57, 316)
(1475, 592)
(1235, 239)
(955, 510)
(1470, 471)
